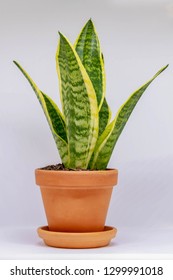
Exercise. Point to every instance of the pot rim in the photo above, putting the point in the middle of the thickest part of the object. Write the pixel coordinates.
(81, 178)
(75, 171)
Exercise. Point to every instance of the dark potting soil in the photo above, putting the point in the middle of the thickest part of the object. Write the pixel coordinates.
(60, 166)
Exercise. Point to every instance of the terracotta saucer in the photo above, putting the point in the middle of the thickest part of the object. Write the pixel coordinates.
(77, 240)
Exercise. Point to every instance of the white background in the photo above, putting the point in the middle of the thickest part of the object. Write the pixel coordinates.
(137, 40)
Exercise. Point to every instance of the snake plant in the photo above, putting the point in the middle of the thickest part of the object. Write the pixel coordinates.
(83, 132)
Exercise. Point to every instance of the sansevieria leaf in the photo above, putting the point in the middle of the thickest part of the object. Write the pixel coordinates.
(109, 137)
(83, 133)
(87, 46)
(105, 111)
(79, 103)
(53, 115)
(104, 116)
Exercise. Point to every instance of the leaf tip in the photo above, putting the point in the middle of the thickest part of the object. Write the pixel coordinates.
(60, 34)
(165, 67)
(16, 63)
(90, 22)
(62, 37)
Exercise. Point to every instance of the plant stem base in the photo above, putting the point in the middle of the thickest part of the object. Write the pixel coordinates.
(77, 240)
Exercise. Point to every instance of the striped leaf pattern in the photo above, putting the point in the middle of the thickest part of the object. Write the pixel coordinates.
(108, 139)
(83, 135)
(104, 116)
(54, 117)
(105, 111)
(79, 105)
(87, 46)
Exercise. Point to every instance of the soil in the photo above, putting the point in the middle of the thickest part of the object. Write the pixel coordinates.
(60, 166)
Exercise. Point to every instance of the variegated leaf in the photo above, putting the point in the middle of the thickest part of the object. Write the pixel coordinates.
(105, 111)
(53, 115)
(108, 139)
(87, 46)
(104, 116)
(79, 105)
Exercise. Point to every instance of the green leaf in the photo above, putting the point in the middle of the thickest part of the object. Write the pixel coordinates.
(105, 111)
(79, 104)
(104, 116)
(106, 142)
(56, 117)
(87, 46)
(53, 115)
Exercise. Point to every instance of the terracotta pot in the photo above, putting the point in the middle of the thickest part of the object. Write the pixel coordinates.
(76, 201)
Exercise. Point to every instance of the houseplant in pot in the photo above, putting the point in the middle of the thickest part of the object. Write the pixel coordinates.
(76, 196)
